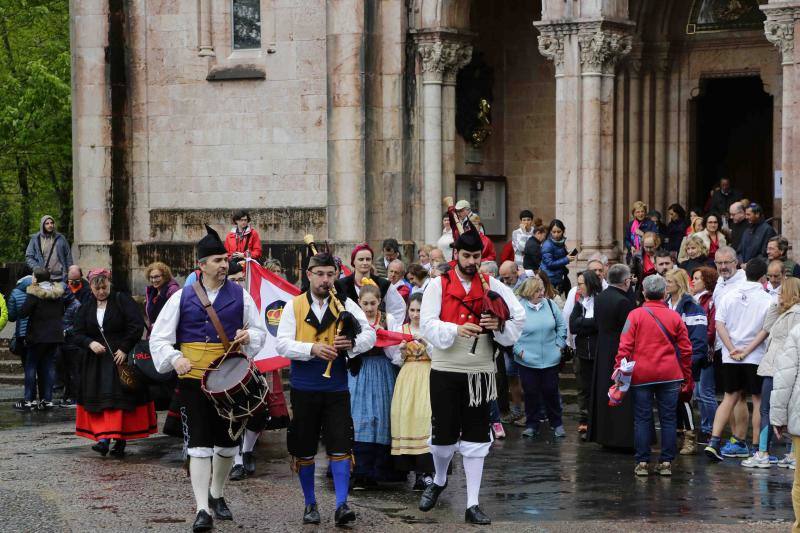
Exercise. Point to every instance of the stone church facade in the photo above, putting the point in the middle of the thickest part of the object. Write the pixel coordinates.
(352, 119)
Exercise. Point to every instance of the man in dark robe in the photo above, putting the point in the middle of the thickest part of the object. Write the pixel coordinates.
(611, 426)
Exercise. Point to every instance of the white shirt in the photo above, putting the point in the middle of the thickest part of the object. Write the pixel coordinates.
(415, 289)
(569, 305)
(442, 334)
(163, 336)
(722, 288)
(101, 314)
(774, 292)
(393, 352)
(290, 348)
(742, 311)
(395, 305)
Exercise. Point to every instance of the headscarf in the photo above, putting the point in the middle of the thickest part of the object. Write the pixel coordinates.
(98, 273)
(358, 248)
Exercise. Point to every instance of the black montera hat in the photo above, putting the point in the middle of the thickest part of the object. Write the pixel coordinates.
(321, 260)
(210, 245)
(469, 241)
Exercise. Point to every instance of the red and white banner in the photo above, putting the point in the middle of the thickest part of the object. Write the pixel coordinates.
(271, 294)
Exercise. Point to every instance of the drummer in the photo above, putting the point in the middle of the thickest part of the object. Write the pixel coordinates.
(184, 321)
(307, 336)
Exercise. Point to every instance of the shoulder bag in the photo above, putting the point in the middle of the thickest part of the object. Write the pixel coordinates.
(686, 388)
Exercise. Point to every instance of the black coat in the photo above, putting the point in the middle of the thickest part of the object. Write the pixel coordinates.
(123, 326)
(532, 256)
(610, 426)
(585, 331)
(690, 265)
(44, 307)
(346, 286)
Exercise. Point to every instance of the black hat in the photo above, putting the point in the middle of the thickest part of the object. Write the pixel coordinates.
(321, 260)
(210, 245)
(234, 267)
(469, 241)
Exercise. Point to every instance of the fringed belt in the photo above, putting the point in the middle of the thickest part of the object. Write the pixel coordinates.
(480, 367)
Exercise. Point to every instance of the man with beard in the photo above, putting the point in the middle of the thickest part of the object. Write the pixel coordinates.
(185, 321)
(462, 381)
(49, 250)
(308, 336)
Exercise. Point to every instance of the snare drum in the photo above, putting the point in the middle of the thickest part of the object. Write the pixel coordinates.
(235, 387)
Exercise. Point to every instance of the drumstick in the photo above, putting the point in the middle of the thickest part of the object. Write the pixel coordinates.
(224, 355)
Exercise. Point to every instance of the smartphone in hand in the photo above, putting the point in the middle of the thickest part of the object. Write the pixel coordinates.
(574, 251)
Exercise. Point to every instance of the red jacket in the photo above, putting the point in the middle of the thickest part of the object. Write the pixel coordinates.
(643, 342)
(507, 253)
(488, 253)
(241, 243)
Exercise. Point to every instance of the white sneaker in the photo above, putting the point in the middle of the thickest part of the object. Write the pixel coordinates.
(499, 432)
(787, 461)
(758, 460)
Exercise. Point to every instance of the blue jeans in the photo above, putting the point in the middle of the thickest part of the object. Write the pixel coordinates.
(765, 434)
(705, 394)
(666, 395)
(40, 363)
(494, 412)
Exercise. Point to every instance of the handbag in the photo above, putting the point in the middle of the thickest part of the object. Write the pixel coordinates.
(127, 376)
(567, 353)
(687, 388)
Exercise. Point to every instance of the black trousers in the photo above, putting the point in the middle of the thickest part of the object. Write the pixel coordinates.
(502, 379)
(318, 412)
(202, 425)
(584, 370)
(68, 369)
(453, 418)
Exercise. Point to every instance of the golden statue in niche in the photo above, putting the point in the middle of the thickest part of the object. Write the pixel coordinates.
(484, 128)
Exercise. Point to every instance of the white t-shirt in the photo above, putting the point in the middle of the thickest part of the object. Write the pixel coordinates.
(742, 311)
(724, 287)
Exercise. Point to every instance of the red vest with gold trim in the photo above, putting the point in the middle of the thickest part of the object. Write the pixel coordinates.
(452, 296)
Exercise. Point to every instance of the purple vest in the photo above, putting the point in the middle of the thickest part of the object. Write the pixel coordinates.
(195, 326)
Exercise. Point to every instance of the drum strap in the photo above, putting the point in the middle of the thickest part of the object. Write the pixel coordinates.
(212, 314)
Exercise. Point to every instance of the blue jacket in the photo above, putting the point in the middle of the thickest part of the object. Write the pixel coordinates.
(34, 257)
(696, 322)
(554, 261)
(645, 226)
(15, 302)
(543, 336)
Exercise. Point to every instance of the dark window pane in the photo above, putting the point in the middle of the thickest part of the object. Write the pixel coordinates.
(246, 24)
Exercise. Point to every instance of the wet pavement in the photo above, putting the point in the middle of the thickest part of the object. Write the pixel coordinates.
(51, 481)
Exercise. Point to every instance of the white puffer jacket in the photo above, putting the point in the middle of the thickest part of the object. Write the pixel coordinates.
(784, 403)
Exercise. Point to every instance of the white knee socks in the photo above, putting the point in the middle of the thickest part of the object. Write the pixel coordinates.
(200, 474)
(219, 474)
(473, 470)
(442, 455)
(249, 441)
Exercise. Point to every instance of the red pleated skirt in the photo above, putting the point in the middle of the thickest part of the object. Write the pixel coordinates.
(116, 423)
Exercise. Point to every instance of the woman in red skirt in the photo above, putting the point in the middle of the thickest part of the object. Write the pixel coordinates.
(107, 327)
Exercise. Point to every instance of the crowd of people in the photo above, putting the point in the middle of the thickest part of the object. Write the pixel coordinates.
(703, 305)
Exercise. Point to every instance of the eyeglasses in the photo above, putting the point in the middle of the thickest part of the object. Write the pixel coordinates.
(732, 262)
(74, 282)
(323, 274)
(155, 278)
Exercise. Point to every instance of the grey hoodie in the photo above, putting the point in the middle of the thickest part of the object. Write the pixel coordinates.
(40, 242)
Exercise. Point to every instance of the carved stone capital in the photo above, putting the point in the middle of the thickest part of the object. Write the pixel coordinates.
(442, 58)
(601, 49)
(779, 27)
(431, 55)
(456, 55)
(551, 46)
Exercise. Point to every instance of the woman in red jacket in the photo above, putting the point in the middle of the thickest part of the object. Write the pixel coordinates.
(242, 238)
(656, 340)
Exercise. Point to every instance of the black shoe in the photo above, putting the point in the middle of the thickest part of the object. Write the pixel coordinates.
(220, 508)
(311, 515)
(101, 447)
(703, 439)
(474, 515)
(364, 483)
(713, 453)
(344, 515)
(238, 473)
(430, 496)
(419, 484)
(203, 522)
(118, 450)
(249, 463)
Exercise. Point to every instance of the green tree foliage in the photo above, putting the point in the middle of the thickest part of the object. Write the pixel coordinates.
(35, 121)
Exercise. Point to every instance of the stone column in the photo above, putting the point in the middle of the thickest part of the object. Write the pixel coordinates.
(205, 29)
(661, 179)
(779, 29)
(585, 54)
(346, 121)
(442, 58)
(634, 130)
(458, 56)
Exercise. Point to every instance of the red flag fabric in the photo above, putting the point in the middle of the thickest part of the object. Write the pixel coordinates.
(271, 293)
(390, 338)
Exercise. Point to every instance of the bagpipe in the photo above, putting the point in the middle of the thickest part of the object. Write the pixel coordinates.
(346, 324)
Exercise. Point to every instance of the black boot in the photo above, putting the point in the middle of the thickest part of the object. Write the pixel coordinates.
(344, 515)
(249, 463)
(430, 496)
(203, 522)
(310, 514)
(101, 447)
(118, 450)
(238, 473)
(474, 515)
(419, 484)
(220, 508)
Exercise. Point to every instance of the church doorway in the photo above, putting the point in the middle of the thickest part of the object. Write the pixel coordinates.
(733, 138)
